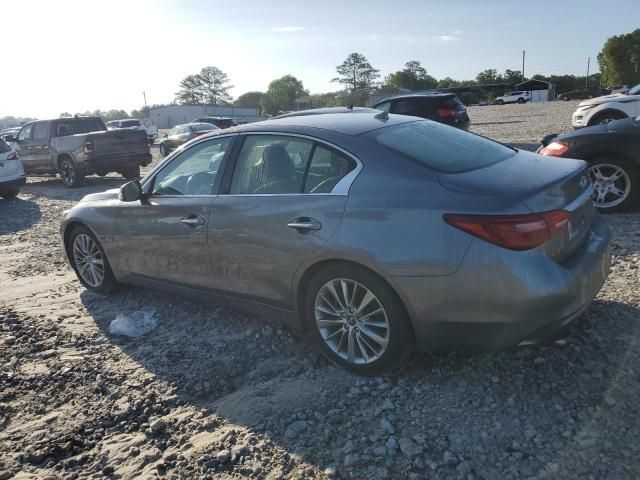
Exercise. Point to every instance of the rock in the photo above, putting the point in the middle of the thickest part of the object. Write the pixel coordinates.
(10, 340)
(351, 459)
(450, 459)
(387, 405)
(392, 446)
(349, 447)
(539, 361)
(380, 451)
(157, 425)
(295, 428)
(409, 448)
(223, 456)
(387, 426)
(530, 432)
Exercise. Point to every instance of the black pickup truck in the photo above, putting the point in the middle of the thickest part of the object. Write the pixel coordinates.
(79, 146)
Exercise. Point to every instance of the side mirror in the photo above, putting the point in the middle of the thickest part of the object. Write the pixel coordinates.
(10, 138)
(131, 191)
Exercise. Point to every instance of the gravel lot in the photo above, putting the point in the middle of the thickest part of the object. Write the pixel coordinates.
(212, 392)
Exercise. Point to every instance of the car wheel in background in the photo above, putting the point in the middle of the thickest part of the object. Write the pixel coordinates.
(565, 98)
(606, 117)
(71, 175)
(89, 261)
(522, 100)
(499, 102)
(131, 173)
(615, 183)
(356, 320)
(9, 192)
(164, 151)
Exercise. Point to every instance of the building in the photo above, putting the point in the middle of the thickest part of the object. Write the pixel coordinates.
(171, 115)
(540, 90)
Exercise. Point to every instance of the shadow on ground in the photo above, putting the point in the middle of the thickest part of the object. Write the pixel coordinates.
(18, 214)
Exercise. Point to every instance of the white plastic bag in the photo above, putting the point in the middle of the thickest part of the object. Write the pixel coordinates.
(134, 324)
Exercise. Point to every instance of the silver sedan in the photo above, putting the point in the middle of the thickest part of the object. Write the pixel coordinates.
(376, 233)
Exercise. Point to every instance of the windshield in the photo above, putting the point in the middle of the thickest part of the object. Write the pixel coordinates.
(635, 90)
(441, 147)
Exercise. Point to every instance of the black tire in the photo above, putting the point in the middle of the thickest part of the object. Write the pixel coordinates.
(131, 173)
(522, 100)
(499, 102)
(164, 150)
(606, 164)
(566, 99)
(400, 334)
(9, 192)
(109, 282)
(606, 117)
(71, 175)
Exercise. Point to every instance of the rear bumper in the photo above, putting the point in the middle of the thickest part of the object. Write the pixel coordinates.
(13, 182)
(500, 298)
(113, 163)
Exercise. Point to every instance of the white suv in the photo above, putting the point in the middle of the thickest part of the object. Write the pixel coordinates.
(513, 97)
(12, 175)
(607, 108)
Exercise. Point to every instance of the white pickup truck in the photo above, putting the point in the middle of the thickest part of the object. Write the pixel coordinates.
(134, 124)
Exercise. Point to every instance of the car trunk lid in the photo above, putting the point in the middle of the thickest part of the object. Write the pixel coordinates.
(543, 184)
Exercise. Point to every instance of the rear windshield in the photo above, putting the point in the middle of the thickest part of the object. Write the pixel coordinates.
(130, 123)
(4, 148)
(75, 126)
(202, 127)
(440, 147)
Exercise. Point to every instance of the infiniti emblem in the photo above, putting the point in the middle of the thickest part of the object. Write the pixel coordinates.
(584, 181)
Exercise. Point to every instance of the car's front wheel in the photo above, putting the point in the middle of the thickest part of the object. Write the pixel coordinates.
(606, 117)
(164, 150)
(499, 102)
(521, 100)
(356, 320)
(89, 261)
(615, 183)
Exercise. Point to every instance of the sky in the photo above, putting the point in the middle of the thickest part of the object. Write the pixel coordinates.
(73, 56)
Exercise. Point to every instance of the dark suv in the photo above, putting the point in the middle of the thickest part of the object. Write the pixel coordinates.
(441, 107)
(220, 122)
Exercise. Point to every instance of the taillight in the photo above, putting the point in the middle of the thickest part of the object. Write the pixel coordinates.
(88, 147)
(555, 149)
(515, 232)
(12, 156)
(445, 112)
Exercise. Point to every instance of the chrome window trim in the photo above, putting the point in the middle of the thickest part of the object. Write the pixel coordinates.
(341, 188)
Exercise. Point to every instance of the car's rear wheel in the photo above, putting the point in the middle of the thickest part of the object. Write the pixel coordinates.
(356, 320)
(164, 151)
(70, 173)
(606, 117)
(615, 183)
(89, 261)
(131, 173)
(9, 192)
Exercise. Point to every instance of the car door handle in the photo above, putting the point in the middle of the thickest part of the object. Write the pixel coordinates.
(192, 220)
(305, 224)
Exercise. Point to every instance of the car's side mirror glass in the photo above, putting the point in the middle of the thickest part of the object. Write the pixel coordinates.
(9, 138)
(131, 191)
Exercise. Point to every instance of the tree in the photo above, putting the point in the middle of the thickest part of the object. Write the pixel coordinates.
(65, 115)
(512, 76)
(249, 99)
(282, 93)
(448, 82)
(488, 77)
(619, 59)
(413, 76)
(214, 85)
(191, 91)
(356, 73)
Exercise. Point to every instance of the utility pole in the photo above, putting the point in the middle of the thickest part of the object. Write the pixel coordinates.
(523, 52)
(588, 62)
(144, 95)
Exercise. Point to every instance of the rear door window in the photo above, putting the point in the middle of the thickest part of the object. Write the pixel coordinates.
(326, 169)
(440, 147)
(41, 132)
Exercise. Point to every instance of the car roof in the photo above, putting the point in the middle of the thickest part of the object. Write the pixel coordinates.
(354, 124)
(326, 110)
(214, 118)
(437, 95)
(197, 123)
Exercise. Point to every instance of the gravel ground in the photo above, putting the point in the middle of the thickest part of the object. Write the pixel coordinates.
(215, 393)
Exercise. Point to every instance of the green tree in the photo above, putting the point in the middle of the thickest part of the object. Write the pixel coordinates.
(281, 94)
(414, 77)
(249, 99)
(448, 82)
(356, 73)
(488, 77)
(512, 76)
(619, 59)
(191, 91)
(214, 85)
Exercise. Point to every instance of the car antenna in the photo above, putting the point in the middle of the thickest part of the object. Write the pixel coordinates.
(382, 116)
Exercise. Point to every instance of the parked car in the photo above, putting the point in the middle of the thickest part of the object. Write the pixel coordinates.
(135, 124)
(580, 93)
(181, 134)
(376, 233)
(78, 146)
(513, 97)
(613, 153)
(607, 108)
(441, 107)
(9, 132)
(12, 175)
(220, 122)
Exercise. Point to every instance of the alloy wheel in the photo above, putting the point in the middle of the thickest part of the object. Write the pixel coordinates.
(88, 260)
(68, 173)
(352, 321)
(611, 185)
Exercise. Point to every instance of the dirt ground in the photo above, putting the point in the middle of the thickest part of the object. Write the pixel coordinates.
(216, 393)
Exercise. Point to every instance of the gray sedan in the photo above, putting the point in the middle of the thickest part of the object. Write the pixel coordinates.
(376, 233)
